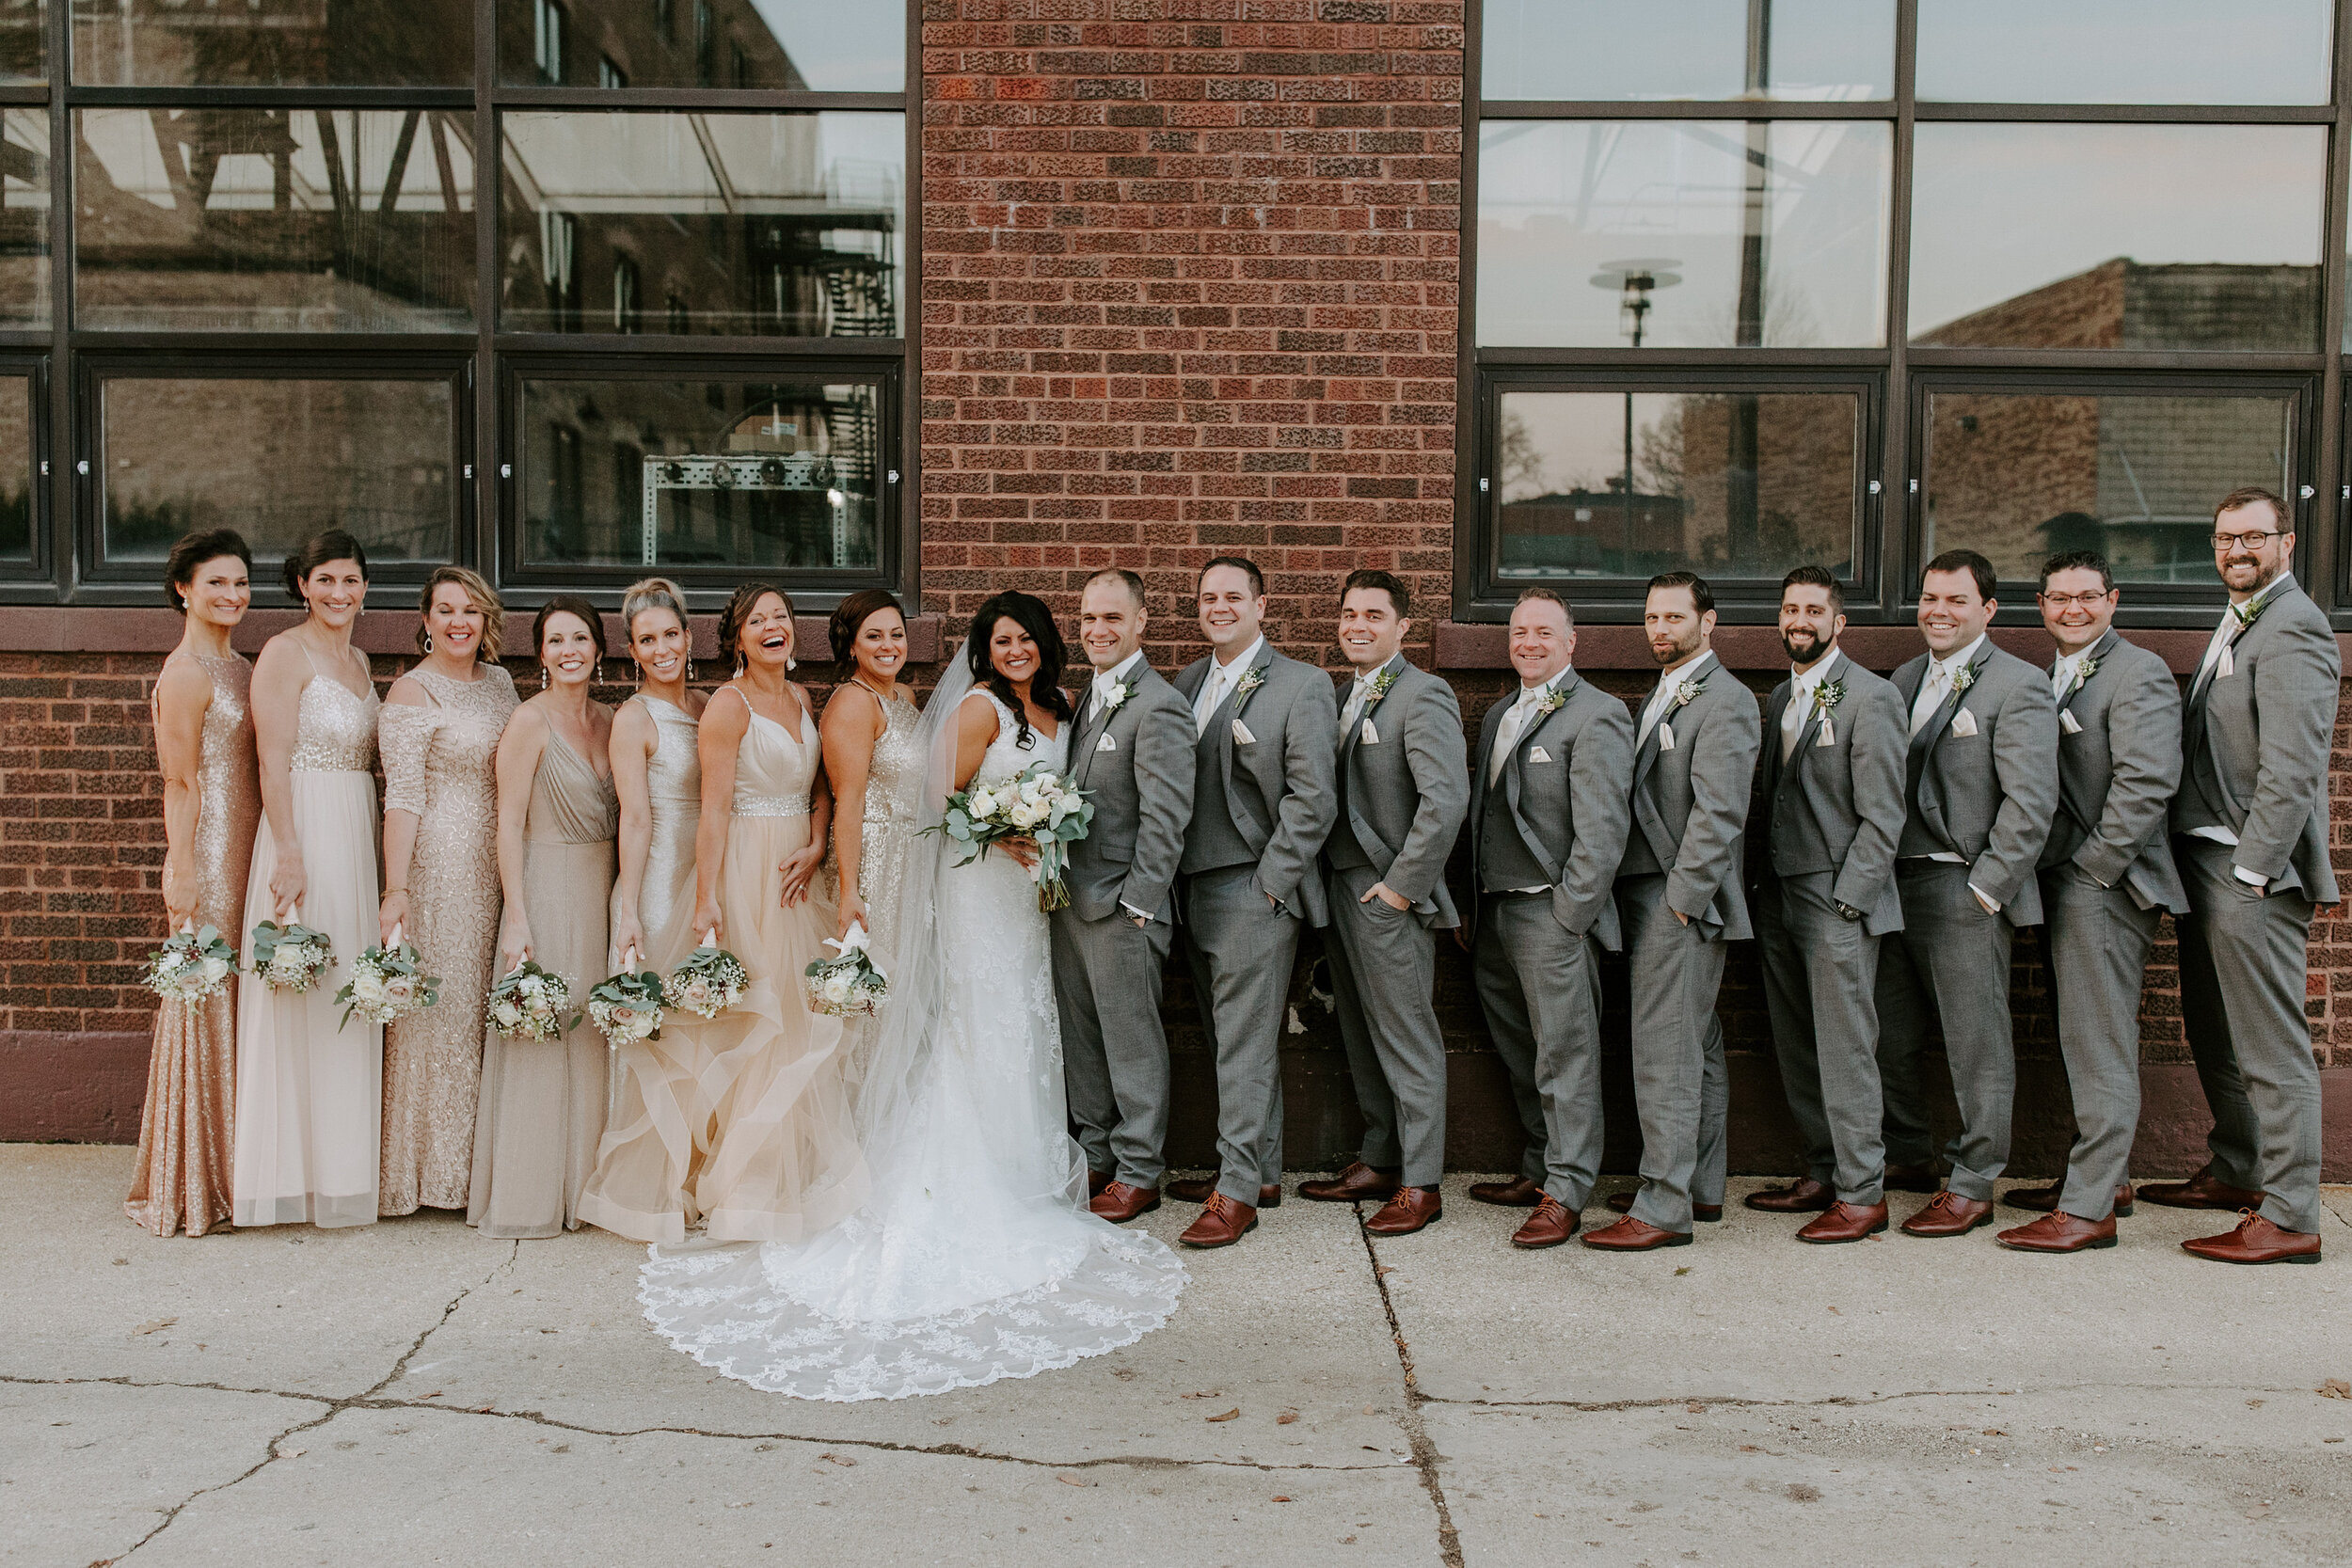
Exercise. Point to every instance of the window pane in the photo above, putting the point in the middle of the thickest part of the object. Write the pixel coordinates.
(16, 467)
(23, 46)
(1810, 51)
(292, 43)
(2124, 50)
(2117, 236)
(721, 473)
(1740, 483)
(2018, 477)
(1770, 233)
(808, 45)
(25, 217)
(781, 224)
(277, 459)
(293, 220)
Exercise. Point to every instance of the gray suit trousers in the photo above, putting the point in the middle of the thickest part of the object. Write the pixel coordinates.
(1241, 949)
(1676, 973)
(1384, 973)
(1952, 956)
(1106, 978)
(2242, 967)
(2099, 941)
(1540, 988)
(1820, 977)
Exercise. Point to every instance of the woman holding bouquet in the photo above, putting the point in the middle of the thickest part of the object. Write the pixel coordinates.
(203, 720)
(310, 1087)
(440, 735)
(785, 1163)
(643, 1187)
(875, 767)
(543, 1101)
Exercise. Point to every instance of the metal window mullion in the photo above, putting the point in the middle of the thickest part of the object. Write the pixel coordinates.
(1475, 540)
(483, 526)
(2325, 561)
(1898, 516)
(71, 506)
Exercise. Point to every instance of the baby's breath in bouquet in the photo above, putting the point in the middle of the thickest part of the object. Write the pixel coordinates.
(290, 957)
(388, 983)
(1038, 804)
(191, 964)
(709, 982)
(849, 982)
(528, 1004)
(627, 1006)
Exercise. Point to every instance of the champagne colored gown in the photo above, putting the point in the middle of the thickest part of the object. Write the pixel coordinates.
(184, 1131)
(440, 762)
(542, 1101)
(310, 1087)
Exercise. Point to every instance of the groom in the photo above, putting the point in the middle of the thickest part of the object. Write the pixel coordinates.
(1130, 749)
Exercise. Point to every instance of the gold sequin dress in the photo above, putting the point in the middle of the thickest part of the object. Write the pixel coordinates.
(440, 765)
(184, 1131)
(894, 796)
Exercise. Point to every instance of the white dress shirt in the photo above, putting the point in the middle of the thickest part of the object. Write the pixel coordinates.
(1105, 679)
(2063, 673)
(1803, 687)
(2233, 619)
(1669, 682)
(1221, 681)
(1515, 722)
(1359, 693)
(1938, 684)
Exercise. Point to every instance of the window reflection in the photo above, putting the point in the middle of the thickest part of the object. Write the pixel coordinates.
(273, 42)
(803, 45)
(23, 217)
(1762, 233)
(1810, 51)
(2124, 50)
(2020, 477)
(23, 41)
(2117, 236)
(277, 459)
(680, 474)
(781, 225)
(1739, 484)
(16, 467)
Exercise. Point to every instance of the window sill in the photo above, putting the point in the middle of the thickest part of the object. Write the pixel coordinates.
(1461, 645)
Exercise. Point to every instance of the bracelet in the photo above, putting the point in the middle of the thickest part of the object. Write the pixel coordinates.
(390, 891)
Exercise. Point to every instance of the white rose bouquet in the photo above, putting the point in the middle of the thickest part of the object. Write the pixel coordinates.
(528, 1004)
(191, 964)
(1037, 805)
(709, 981)
(290, 957)
(849, 982)
(626, 1007)
(388, 983)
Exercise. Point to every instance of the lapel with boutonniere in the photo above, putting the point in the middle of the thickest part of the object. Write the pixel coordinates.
(1365, 729)
(1555, 697)
(2068, 723)
(1236, 730)
(1661, 736)
(1962, 679)
(2225, 665)
(1096, 722)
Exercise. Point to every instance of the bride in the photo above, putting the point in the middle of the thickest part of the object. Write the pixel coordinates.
(975, 1258)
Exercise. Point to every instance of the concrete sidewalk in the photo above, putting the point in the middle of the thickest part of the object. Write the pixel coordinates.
(410, 1393)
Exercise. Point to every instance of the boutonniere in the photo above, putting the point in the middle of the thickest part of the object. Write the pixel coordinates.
(1118, 694)
(2083, 673)
(1244, 686)
(2249, 613)
(1687, 690)
(1828, 695)
(1962, 678)
(1551, 701)
(1378, 686)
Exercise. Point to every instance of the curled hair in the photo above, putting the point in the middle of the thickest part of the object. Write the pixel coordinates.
(850, 617)
(192, 551)
(740, 607)
(1029, 613)
(567, 604)
(1399, 597)
(334, 544)
(493, 612)
(651, 593)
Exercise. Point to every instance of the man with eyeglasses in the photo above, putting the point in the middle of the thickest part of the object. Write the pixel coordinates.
(2250, 837)
(2106, 879)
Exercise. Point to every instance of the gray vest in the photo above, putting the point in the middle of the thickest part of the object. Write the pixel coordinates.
(1341, 849)
(1503, 859)
(1211, 841)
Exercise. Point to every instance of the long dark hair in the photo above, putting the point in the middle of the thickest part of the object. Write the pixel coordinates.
(850, 617)
(1028, 613)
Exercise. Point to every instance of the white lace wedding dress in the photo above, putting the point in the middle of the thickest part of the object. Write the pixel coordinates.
(976, 1259)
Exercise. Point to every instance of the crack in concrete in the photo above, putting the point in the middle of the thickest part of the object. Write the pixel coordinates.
(1854, 1402)
(1425, 1455)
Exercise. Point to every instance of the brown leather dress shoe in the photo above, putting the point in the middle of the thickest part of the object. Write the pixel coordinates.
(2045, 1200)
(1551, 1223)
(1198, 1190)
(1845, 1222)
(2201, 1191)
(1910, 1178)
(1631, 1235)
(1222, 1223)
(1096, 1181)
(1118, 1203)
(1357, 1182)
(1517, 1193)
(1710, 1213)
(1947, 1214)
(2256, 1240)
(1410, 1210)
(1801, 1196)
(2059, 1231)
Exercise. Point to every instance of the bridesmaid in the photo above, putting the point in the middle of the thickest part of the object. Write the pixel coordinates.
(785, 1163)
(660, 1127)
(873, 764)
(212, 798)
(440, 736)
(309, 1088)
(542, 1101)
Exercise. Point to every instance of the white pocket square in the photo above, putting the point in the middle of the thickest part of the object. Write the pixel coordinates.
(1537, 754)
(1665, 736)
(1371, 736)
(1242, 735)
(1109, 743)
(2068, 722)
(1963, 723)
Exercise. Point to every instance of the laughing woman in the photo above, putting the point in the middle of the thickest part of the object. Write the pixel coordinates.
(542, 1101)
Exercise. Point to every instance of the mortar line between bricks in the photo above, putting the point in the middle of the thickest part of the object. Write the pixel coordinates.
(1425, 1455)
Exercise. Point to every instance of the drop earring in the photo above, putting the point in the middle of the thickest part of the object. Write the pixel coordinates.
(543, 674)
(689, 668)
(428, 643)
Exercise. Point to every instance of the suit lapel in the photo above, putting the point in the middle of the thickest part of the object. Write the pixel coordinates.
(2097, 655)
(1927, 740)
(1811, 724)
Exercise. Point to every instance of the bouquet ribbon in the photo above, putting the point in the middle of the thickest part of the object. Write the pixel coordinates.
(852, 941)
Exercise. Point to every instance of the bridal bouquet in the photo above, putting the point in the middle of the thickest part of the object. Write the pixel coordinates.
(528, 1004)
(191, 965)
(627, 1006)
(289, 957)
(849, 982)
(709, 982)
(1038, 804)
(388, 983)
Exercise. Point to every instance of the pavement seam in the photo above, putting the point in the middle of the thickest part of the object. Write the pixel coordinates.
(1425, 1456)
(1856, 1401)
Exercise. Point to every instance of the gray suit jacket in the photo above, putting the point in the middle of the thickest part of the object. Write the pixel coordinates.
(1988, 797)
(2118, 763)
(1690, 802)
(1136, 762)
(1839, 807)
(1570, 811)
(1408, 789)
(2254, 745)
(1278, 784)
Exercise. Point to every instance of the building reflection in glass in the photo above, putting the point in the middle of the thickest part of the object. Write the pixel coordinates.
(271, 43)
(16, 467)
(798, 45)
(23, 217)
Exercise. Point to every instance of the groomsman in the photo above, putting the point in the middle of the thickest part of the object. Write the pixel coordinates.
(1549, 816)
(2251, 823)
(1981, 786)
(1679, 901)
(1266, 732)
(2106, 879)
(1404, 789)
(1834, 789)
(1130, 749)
